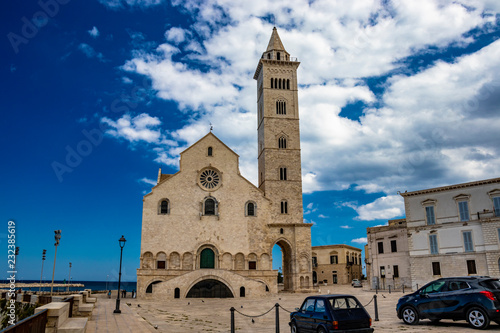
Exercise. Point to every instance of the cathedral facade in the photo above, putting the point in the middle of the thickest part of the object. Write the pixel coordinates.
(209, 232)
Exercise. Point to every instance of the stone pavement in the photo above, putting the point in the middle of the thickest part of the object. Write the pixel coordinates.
(104, 320)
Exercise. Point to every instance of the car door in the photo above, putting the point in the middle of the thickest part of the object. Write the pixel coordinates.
(430, 303)
(320, 315)
(304, 318)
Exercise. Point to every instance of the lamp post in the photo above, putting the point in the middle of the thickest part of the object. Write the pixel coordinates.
(41, 274)
(121, 241)
(57, 237)
(69, 277)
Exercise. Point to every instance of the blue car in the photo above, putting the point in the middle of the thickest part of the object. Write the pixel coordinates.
(475, 299)
(331, 313)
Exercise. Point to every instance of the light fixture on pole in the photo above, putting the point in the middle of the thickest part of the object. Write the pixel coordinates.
(57, 237)
(121, 241)
(41, 274)
(69, 277)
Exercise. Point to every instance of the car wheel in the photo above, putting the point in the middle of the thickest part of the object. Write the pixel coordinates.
(410, 316)
(321, 330)
(294, 328)
(478, 318)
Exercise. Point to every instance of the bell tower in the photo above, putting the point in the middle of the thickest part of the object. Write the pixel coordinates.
(280, 174)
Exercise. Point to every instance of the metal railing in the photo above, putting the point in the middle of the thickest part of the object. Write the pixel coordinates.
(33, 324)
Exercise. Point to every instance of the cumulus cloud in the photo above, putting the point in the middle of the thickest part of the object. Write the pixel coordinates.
(140, 128)
(94, 32)
(409, 133)
(386, 207)
(345, 227)
(362, 240)
(148, 181)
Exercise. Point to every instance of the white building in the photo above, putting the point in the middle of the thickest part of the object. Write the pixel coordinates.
(454, 230)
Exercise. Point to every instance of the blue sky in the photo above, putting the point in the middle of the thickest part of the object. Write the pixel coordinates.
(97, 95)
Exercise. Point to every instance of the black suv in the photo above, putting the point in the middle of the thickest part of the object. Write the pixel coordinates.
(475, 299)
(331, 313)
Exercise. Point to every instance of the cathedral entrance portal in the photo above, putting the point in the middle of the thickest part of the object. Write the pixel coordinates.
(209, 289)
(286, 264)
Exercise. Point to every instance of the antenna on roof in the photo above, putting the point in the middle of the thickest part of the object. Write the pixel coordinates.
(211, 127)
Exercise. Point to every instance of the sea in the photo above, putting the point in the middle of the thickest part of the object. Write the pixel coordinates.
(93, 285)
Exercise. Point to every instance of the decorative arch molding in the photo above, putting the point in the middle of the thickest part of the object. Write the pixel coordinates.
(211, 247)
(147, 260)
(175, 260)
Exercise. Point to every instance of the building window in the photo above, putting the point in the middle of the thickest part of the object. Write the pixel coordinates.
(496, 205)
(281, 231)
(380, 247)
(282, 143)
(288, 84)
(164, 207)
(209, 207)
(382, 271)
(280, 107)
(284, 207)
(283, 175)
(394, 246)
(161, 260)
(177, 293)
(269, 56)
(252, 265)
(278, 56)
(436, 268)
(395, 269)
(463, 207)
(272, 83)
(471, 267)
(429, 212)
(242, 292)
(498, 234)
(210, 151)
(334, 259)
(250, 209)
(433, 244)
(468, 245)
(315, 261)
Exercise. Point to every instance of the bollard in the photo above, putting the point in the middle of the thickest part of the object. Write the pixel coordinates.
(376, 307)
(232, 320)
(403, 288)
(389, 289)
(277, 317)
(376, 289)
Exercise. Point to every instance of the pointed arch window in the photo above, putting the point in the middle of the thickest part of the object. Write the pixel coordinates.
(210, 151)
(282, 143)
(284, 207)
(275, 83)
(283, 173)
(278, 56)
(272, 83)
(280, 107)
(288, 84)
(164, 207)
(279, 83)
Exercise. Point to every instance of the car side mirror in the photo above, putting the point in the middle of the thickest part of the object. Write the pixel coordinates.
(297, 309)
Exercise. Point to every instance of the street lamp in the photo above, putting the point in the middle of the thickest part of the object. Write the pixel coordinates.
(57, 237)
(69, 278)
(41, 274)
(121, 241)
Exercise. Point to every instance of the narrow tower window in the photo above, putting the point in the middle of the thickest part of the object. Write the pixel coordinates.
(210, 151)
(280, 107)
(250, 211)
(279, 84)
(209, 208)
(269, 56)
(283, 174)
(284, 207)
(272, 83)
(275, 83)
(278, 56)
(282, 143)
(288, 84)
(164, 207)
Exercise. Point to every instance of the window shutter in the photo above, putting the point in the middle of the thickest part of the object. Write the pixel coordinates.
(464, 210)
(468, 241)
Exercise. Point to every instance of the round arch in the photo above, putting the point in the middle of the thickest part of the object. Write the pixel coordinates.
(203, 247)
(212, 278)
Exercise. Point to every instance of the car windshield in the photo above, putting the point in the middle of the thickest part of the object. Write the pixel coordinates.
(347, 302)
(433, 287)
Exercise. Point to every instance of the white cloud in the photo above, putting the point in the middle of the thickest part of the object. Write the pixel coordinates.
(345, 227)
(362, 240)
(148, 181)
(382, 208)
(140, 128)
(410, 134)
(94, 32)
(90, 52)
(321, 216)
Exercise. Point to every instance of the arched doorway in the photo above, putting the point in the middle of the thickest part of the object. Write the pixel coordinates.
(283, 262)
(210, 289)
(207, 258)
(149, 289)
